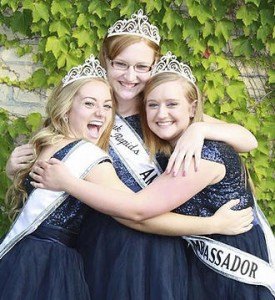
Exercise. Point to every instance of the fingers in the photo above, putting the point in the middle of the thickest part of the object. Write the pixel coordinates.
(171, 161)
(197, 157)
(37, 185)
(231, 203)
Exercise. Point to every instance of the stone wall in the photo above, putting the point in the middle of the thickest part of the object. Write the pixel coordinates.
(16, 100)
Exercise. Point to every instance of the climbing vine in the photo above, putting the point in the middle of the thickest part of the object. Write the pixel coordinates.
(211, 35)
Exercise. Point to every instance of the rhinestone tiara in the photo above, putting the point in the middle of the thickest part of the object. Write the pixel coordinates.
(169, 63)
(137, 25)
(90, 69)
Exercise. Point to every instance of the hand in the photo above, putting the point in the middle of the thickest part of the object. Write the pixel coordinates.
(232, 222)
(51, 175)
(188, 146)
(20, 156)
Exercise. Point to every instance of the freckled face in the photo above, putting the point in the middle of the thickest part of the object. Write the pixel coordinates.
(91, 111)
(128, 84)
(168, 111)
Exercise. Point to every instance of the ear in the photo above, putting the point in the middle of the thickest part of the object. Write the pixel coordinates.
(192, 109)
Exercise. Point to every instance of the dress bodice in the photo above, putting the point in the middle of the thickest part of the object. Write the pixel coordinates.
(232, 186)
(70, 213)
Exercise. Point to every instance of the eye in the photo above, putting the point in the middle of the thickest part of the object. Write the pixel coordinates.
(119, 65)
(172, 104)
(89, 103)
(108, 106)
(152, 105)
(142, 68)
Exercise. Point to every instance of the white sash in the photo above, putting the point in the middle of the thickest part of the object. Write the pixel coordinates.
(235, 263)
(232, 262)
(41, 203)
(130, 149)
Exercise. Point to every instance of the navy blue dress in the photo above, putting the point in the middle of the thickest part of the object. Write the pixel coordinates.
(205, 283)
(45, 264)
(124, 264)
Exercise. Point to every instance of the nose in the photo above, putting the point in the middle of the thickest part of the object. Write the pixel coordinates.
(100, 111)
(130, 74)
(162, 112)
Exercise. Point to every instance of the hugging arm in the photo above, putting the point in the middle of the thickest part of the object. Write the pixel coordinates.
(191, 142)
(120, 204)
(19, 157)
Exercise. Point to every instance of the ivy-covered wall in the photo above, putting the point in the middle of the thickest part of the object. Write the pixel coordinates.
(215, 37)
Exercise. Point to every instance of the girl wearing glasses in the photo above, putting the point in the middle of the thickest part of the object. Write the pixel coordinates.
(121, 263)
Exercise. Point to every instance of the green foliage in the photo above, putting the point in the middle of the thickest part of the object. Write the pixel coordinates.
(13, 131)
(210, 35)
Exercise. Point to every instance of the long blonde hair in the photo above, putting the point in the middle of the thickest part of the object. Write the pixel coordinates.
(54, 129)
(191, 92)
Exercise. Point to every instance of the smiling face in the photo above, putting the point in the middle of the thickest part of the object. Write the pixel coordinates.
(91, 111)
(128, 84)
(169, 112)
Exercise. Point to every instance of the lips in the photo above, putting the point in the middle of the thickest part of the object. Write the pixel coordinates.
(127, 84)
(94, 128)
(164, 123)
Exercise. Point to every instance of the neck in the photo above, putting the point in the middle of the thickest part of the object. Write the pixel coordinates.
(128, 108)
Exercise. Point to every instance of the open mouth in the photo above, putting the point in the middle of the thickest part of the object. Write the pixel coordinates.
(94, 128)
(128, 85)
(164, 124)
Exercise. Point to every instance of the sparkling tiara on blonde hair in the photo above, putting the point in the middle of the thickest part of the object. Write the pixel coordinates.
(90, 69)
(137, 25)
(169, 63)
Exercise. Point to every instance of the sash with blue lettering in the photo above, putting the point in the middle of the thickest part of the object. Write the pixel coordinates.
(130, 149)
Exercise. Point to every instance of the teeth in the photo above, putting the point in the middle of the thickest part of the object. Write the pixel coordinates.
(165, 123)
(96, 123)
(128, 85)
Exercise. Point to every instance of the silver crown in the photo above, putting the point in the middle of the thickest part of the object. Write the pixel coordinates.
(169, 63)
(90, 69)
(137, 25)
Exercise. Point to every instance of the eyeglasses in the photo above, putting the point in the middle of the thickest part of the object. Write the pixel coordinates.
(123, 66)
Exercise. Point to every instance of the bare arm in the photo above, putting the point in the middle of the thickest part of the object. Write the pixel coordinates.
(225, 220)
(191, 142)
(154, 200)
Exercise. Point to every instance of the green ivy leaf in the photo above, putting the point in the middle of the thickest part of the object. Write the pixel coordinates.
(262, 33)
(61, 27)
(56, 45)
(83, 21)
(236, 90)
(242, 47)
(271, 76)
(256, 2)
(210, 91)
(34, 121)
(271, 47)
(201, 11)
(169, 19)
(21, 22)
(207, 29)
(39, 78)
(40, 11)
(267, 17)
(247, 15)
(61, 7)
(18, 128)
(83, 36)
(152, 5)
(224, 29)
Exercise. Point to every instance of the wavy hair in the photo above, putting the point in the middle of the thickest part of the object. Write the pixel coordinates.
(54, 129)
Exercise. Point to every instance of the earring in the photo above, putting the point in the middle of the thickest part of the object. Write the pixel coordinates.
(66, 120)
